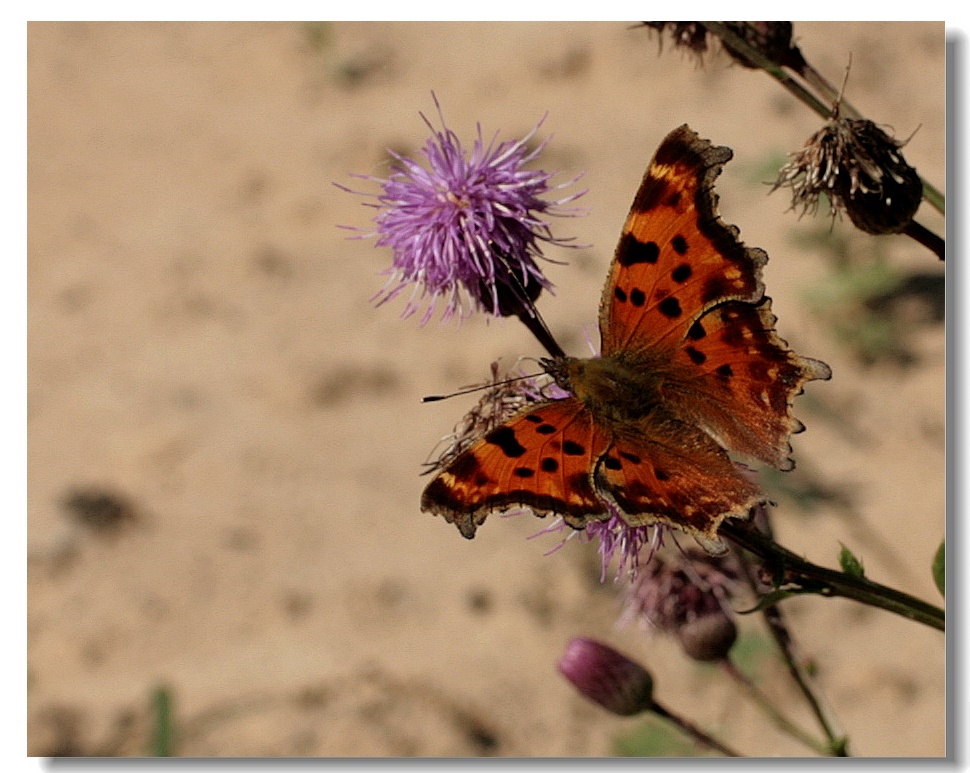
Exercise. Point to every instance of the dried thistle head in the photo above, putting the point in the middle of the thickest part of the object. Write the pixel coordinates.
(771, 38)
(501, 399)
(689, 35)
(861, 171)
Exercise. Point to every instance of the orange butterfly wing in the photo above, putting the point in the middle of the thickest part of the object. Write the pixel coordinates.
(682, 282)
(673, 473)
(676, 258)
(541, 458)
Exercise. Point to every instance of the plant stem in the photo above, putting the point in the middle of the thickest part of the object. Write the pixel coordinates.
(791, 571)
(694, 731)
(538, 328)
(778, 626)
(780, 720)
(774, 70)
(781, 633)
(927, 238)
(934, 197)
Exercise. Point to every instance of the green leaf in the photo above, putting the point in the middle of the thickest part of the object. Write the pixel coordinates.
(939, 568)
(771, 598)
(849, 563)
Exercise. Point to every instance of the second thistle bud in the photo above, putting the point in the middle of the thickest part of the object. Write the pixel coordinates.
(709, 637)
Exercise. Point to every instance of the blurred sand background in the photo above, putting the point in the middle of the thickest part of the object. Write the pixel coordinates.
(202, 352)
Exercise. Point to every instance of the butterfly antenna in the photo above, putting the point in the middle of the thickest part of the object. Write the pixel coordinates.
(479, 388)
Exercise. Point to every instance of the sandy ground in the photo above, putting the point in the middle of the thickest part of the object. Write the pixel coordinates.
(202, 350)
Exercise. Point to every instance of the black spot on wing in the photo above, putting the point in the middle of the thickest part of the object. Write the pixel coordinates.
(696, 356)
(548, 464)
(572, 448)
(504, 438)
(632, 251)
(670, 307)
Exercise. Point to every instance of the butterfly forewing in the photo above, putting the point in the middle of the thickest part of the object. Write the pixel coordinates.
(676, 257)
(541, 458)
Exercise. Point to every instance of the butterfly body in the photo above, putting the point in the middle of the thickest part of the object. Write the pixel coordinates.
(690, 369)
(619, 391)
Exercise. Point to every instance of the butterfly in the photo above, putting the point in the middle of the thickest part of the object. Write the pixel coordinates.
(690, 369)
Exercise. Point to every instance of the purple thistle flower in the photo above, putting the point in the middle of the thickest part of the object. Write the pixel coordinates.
(618, 538)
(466, 228)
(607, 677)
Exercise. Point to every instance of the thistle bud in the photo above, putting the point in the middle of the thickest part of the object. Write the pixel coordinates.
(709, 637)
(687, 594)
(607, 677)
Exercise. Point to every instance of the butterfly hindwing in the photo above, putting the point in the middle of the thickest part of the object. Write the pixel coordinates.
(541, 458)
(676, 257)
(739, 379)
(673, 473)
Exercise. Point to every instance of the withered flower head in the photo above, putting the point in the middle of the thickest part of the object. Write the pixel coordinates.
(771, 38)
(861, 171)
(502, 398)
(691, 35)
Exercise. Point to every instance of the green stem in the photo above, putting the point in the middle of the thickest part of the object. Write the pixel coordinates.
(934, 197)
(780, 720)
(800, 575)
(775, 619)
(694, 731)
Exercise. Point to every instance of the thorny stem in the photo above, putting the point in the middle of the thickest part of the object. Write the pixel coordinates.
(931, 194)
(793, 573)
(765, 704)
(694, 731)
